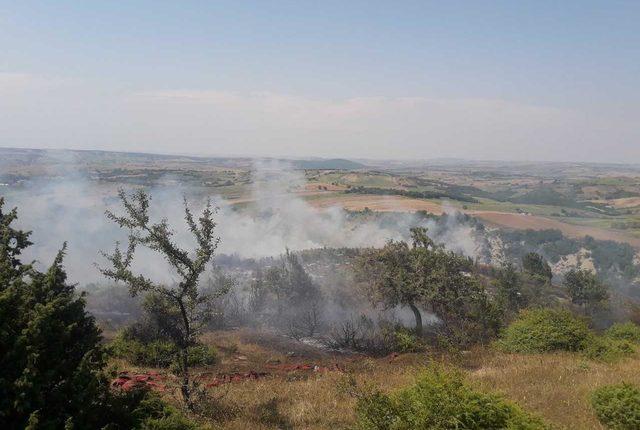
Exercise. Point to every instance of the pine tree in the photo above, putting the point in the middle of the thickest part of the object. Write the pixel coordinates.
(50, 355)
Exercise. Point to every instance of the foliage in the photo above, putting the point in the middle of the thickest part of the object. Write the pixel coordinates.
(440, 399)
(297, 298)
(159, 353)
(614, 261)
(406, 341)
(144, 410)
(50, 354)
(450, 194)
(584, 288)
(603, 348)
(49, 346)
(543, 330)
(533, 264)
(426, 275)
(624, 331)
(617, 406)
(509, 288)
(181, 310)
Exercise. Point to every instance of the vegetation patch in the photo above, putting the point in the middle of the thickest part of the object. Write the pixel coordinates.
(544, 330)
(413, 194)
(440, 399)
(617, 406)
(624, 331)
(603, 348)
(159, 353)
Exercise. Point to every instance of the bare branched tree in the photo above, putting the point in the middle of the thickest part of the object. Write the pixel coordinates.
(183, 302)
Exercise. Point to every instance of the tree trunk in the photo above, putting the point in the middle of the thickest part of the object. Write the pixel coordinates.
(418, 315)
(184, 356)
(185, 389)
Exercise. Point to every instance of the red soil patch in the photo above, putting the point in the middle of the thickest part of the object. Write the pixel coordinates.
(128, 381)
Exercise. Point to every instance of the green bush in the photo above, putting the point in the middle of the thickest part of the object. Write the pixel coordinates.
(142, 409)
(440, 400)
(543, 330)
(406, 341)
(624, 331)
(159, 353)
(156, 353)
(603, 348)
(202, 355)
(617, 406)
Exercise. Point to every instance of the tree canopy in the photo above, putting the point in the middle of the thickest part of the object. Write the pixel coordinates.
(424, 275)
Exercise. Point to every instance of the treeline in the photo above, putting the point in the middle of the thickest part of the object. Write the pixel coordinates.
(411, 193)
(614, 261)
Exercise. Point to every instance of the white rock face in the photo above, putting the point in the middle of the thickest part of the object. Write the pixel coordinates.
(579, 260)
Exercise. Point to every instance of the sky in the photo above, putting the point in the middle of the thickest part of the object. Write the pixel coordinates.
(499, 80)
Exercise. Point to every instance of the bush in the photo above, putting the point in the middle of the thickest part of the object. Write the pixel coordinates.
(159, 353)
(406, 341)
(363, 334)
(202, 355)
(155, 353)
(440, 399)
(624, 331)
(603, 348)
(543, 330)
(617, 406)
(142, 409)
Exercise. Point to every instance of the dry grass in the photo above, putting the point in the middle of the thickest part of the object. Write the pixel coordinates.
(555, 386)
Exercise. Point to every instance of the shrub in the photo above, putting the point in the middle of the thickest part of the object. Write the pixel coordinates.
(406, 341)
(155, 353)
(202, 355)
(603, 348)
(543, 330)
(138, 409)
(440, 399)
(624, 331)
(617, 406)
(363, 334)
(159, 353)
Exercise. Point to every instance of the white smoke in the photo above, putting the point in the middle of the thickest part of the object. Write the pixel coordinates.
(72, 209)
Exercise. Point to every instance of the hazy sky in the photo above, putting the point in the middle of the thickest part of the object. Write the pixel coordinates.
(538, 80)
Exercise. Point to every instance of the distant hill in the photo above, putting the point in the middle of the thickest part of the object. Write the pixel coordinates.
(331, 164)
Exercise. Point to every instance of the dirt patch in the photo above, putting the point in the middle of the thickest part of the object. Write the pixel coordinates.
(624, 203)
(128, 381)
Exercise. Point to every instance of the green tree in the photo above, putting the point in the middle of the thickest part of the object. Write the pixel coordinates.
(182, 308)
(509, 287)
(584, 288)
(535, 265)
(49, 346)
(51, 359)
(424, 274)
(298, 298)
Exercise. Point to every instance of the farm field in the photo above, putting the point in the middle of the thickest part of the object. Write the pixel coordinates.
(511, 220)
